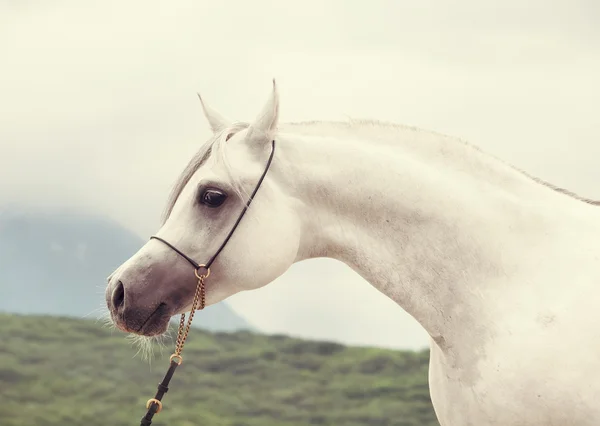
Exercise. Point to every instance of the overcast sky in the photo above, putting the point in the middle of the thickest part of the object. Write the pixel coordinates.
(98, 107)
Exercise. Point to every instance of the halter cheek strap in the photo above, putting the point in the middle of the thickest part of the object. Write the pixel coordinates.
(202, 271)
(208, 264)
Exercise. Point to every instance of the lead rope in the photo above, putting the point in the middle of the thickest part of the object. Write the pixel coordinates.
(154, 405)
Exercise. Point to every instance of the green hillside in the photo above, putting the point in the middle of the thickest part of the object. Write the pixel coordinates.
(63, 371)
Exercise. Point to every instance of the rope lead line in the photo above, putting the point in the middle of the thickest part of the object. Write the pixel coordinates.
(154, 405)
(202, 271)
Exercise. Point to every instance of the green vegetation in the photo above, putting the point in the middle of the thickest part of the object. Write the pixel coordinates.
(60, 371)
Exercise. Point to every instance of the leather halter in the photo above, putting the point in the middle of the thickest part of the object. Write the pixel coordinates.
(199, 266)
(202, 271)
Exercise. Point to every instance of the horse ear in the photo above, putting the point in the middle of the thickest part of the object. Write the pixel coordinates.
(267, 120)
(216, 121)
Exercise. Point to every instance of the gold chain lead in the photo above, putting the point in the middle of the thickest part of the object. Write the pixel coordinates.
(198, 304)
(182, 334)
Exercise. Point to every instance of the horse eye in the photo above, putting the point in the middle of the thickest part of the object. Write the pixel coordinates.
(213, 197)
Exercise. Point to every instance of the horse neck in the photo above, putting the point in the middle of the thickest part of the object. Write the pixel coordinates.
(434, 225)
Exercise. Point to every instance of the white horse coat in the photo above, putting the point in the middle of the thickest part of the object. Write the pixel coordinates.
(501, 269)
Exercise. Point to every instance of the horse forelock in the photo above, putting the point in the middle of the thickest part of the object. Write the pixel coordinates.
(215, 145)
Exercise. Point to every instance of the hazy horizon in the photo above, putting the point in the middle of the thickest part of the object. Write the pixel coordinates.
(99, 111)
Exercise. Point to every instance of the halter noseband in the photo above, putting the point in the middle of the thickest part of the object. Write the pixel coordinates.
(202, 271)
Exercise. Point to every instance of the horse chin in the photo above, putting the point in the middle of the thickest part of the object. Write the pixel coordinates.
(156, 324)
(154, 327)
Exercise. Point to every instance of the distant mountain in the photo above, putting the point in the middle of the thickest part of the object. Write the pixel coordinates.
(57, 264)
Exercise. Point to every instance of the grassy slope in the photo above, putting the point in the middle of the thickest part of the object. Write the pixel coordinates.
(58, 371)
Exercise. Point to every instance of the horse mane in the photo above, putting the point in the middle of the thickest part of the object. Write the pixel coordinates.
(217, 145)
(561, 190)
(364, 124)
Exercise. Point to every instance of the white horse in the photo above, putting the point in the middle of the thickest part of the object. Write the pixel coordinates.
(502, 270)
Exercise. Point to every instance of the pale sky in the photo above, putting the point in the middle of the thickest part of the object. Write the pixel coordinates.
(98, 107)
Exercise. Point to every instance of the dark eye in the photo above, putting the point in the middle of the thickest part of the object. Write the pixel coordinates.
(213, 197)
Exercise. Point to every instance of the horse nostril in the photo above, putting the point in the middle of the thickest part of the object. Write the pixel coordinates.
(118, 296)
